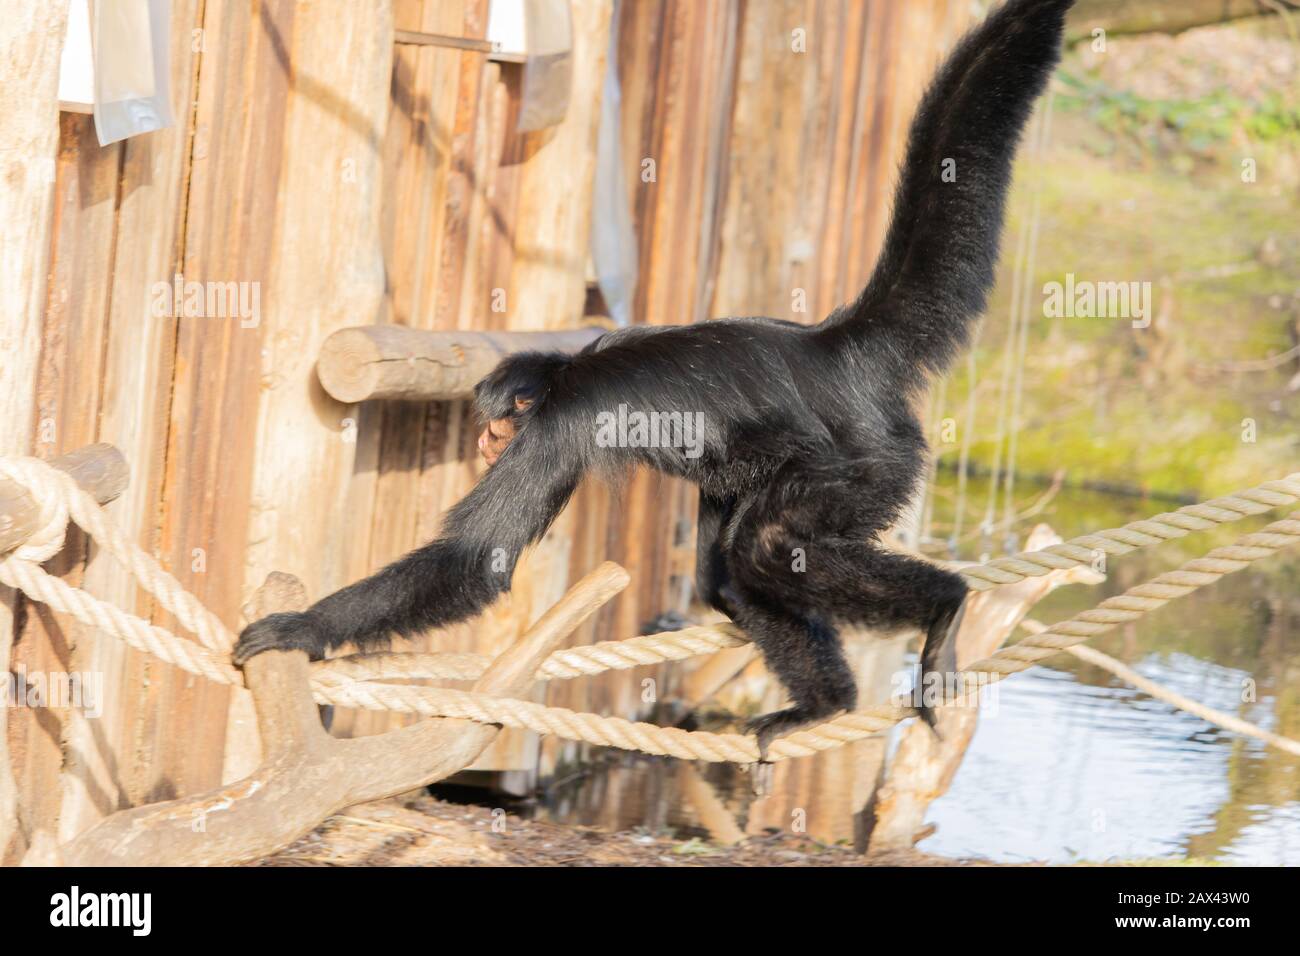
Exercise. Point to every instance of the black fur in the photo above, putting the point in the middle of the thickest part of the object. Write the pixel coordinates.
(810, 448)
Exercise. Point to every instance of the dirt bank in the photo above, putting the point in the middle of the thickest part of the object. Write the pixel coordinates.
(423, 831)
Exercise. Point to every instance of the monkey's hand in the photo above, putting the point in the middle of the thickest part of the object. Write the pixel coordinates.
(496, 435)
(286, 631)
(499, 433)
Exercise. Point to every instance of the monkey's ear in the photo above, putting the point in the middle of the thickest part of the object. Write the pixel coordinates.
(522, 403)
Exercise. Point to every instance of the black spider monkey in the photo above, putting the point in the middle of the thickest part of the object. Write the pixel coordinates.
(809, 441)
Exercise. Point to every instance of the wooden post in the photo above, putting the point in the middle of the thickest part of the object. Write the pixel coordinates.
(392, 361)
(31, 39)
(307, 775)
(329, 133)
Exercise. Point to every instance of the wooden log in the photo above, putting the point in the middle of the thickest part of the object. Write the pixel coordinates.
(538, 258)
(1160, 16)
(429, 181)
(307, 775)
(99, 469)
(84, 269)
(326, 127)
(390, 361)
(124, 225)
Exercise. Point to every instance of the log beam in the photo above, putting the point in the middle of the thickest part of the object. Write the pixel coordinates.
(307, 775)
(395, 362)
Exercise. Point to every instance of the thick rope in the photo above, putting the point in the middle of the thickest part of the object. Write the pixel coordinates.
(563, 664)
(700, 745)
(1136, 534)
(135, 631)
(1144, 598)
(344, 680)
(59, 497)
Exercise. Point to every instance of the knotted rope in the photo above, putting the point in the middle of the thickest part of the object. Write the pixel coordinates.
(353, 681)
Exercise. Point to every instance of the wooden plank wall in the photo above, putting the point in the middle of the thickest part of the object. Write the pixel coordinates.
(503, 245)
(815, 144)
(356, 182)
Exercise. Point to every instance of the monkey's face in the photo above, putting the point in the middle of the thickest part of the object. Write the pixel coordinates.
(499, 432)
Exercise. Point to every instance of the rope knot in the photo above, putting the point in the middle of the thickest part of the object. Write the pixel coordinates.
(47, 486)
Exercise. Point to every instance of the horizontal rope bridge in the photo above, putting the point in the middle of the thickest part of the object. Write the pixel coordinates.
(360, 680)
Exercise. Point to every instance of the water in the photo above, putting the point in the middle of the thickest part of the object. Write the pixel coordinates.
(1074, 765)
(1077, 765)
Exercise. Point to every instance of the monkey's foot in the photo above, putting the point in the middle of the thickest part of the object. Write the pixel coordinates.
(779, 723)
(940, 680)
(278, 632)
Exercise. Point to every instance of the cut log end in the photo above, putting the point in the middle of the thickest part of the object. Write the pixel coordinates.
(279, 592)
(351, 366)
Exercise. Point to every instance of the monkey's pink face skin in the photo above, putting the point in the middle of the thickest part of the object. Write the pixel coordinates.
(494, 439)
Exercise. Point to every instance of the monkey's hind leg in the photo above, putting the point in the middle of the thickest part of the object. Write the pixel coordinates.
(884, 589)
(805, 655)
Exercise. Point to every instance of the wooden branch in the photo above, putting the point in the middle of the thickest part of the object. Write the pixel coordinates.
(710, 809)
(99, 469)
(1228, 722)
(393, 361)
(1159, 16)
(924, 764)
(306, 775)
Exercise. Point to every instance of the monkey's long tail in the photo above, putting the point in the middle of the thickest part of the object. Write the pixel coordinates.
(937, 264)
